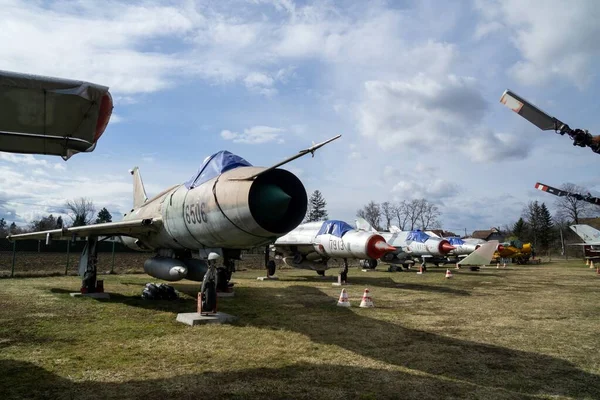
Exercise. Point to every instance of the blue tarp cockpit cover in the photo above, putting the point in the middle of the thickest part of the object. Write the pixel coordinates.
(455, 241)
(335, 228)
(417, 236)
(214, 166)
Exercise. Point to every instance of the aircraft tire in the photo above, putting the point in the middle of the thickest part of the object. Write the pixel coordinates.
(209, 296)
(222, 280)
(321, 273)
(271, 267)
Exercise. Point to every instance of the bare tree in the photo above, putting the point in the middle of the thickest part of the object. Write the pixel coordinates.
(569, 207)
(401, 211)
(371, 213)
(414, 209)
(81, 211)
(387, 212)
(428, 215)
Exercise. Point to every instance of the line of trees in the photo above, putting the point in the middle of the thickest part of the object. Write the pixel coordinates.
(408, 214)
(81, 211)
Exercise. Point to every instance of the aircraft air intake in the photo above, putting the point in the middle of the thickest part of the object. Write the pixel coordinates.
(445, 247)
(277, 201)
(377, 247)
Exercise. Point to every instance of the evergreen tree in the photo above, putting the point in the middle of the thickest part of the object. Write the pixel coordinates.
(103, 216)
(12, 228)
(59, 223)
(3, 228)
(316, 207)
(546, 229)
(520, 229)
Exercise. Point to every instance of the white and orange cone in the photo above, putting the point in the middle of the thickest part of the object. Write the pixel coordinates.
(587, 262)
(343, 301)
(448, 274)
(366, 301)
(591, 263)
(420, 272)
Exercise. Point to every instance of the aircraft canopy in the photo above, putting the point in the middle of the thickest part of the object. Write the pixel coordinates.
(417, 236)
(45, 115)
(455, 241)
(335, 228)
(215, 165)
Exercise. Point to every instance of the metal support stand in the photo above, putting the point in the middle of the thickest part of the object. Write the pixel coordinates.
(112, 265)
(12, 268)
(87, 265)
(68, 256)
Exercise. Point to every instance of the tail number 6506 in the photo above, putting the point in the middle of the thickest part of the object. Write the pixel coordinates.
(194, 213)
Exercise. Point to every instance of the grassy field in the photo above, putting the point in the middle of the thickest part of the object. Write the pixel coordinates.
(519, 332)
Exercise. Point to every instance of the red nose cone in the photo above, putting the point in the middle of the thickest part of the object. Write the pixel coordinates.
(377, 247)
(445, 247)
(500, 247)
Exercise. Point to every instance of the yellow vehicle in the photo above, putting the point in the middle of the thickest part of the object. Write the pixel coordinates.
(516, 250)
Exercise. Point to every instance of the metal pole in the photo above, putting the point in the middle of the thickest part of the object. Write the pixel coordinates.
(112, 266)
(68, 250)
(12, 271)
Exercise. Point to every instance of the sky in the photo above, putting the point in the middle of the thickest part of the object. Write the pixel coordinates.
(412, 86)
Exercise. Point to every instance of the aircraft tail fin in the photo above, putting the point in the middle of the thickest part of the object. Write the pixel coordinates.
(139, 193)
(481, 256)
(586, 232)
(363, 225)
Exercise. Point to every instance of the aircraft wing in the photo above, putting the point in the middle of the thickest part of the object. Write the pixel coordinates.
(125, 228)
(45, 115)
(584, 244)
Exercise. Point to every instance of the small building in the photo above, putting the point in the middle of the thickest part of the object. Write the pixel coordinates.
(489, 234)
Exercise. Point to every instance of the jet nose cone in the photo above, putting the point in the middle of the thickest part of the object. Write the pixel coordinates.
(500, 247)
(446, 247)
(377, 247)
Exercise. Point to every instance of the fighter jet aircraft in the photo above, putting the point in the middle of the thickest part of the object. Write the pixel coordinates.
(411, 246)
(227, 206)
(591, 238)
(45, 115)
(312, 245)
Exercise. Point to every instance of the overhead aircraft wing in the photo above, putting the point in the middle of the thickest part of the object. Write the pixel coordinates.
(45, 115)
(584, 244)
(125, 228)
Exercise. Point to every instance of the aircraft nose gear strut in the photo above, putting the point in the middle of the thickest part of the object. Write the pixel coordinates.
(208, 290)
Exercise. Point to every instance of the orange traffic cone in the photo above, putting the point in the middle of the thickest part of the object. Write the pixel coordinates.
(420, 272)
(597, 270)
(587, 261)
(343, 301)
(448, 274)
(366, 301)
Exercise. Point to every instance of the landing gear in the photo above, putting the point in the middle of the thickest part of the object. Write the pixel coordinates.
(321, 273)
(208, 291)
(423, 264)
(271, 267)
(343, 272)
(87, 266)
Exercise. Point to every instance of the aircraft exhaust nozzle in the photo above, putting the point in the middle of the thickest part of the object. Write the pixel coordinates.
(445, 247)
(277, 201)
(377, 247)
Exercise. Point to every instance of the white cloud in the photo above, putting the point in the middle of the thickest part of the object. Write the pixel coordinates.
(432, 113)
(434, 189)
(254, 135)
(555, 38)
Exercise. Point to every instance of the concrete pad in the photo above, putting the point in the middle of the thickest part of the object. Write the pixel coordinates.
(92, 295)
(369, 270)
(341, 284)
(267, 278)
(195, 318)
(226, 294)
